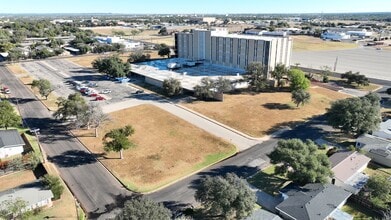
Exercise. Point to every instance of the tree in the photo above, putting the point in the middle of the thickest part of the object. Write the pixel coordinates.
(297, 80)
(163, 31)
(172, 87)
(256, 76)
(326, 71)
(118, 33)
(360, 80)
(300, 162)
(94, 117)
(225, 197)
(134, 32)
(143, 208)
(112, 66)
(300, 97)
(14, 209)
(279, 72)
(379, 188)
(138, 56)
(222, 85)
(75, 106)
(44, 87)
(117, 140)
(355, 115)
(8, 116)
(164, 50)
(205, 90)
(54, 184)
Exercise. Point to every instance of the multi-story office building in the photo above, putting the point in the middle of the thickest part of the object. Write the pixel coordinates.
(234, 50)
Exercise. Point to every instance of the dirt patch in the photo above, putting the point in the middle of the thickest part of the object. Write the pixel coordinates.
(168, 148)
(308, 43)
(16, 68)
(259, 114)
(16, 179)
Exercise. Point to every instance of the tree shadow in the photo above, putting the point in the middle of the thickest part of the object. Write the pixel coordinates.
(115, 207)
(74, 158)
(278, 106)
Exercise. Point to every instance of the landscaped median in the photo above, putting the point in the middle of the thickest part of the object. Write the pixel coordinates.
(167, 148)
(264, 113)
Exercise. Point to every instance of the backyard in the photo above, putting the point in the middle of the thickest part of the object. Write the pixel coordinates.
(263, 113)
(268, 182)
(167, 148)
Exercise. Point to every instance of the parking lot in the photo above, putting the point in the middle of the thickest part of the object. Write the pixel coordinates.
(61, 73)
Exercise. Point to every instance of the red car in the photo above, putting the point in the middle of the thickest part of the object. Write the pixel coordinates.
(94, 95)
(99, 98)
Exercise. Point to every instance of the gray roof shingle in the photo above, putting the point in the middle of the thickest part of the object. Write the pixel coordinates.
(32, 193)
(313, 201)
(10, 138)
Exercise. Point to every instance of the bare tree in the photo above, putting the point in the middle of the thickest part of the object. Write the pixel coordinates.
(93, 117)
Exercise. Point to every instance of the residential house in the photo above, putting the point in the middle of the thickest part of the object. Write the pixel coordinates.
(384, 130)
(263, 214)
(348, 167)
(378, 149)
(34, 194)
(314, 201)
(11, 143)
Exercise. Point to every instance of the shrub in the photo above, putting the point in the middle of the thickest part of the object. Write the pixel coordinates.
(54, 184)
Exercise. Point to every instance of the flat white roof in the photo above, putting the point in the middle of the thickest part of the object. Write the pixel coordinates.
(250, 37)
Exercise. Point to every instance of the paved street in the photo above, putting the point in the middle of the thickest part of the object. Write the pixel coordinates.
(95, 188)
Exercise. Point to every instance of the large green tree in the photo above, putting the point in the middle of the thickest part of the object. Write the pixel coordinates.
(379, 188)
(279, 72)
(14, 209)
(112, 66)
(256, 76)
(205, 90)
(117, 140)
(297, 80)
(355, 115)
(164, 50)
(225, 197)
(172, 87)
(300, 97)
(44, 87)
(54, 184)
(75, 106)
(300, 162)
(222, 85)
(8, 116)
(143, 208)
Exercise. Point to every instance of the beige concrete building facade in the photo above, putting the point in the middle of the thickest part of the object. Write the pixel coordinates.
(218, 47)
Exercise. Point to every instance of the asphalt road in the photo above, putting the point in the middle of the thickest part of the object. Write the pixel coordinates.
(95, 188)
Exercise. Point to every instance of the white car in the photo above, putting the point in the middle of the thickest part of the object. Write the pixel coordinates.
(105, 91)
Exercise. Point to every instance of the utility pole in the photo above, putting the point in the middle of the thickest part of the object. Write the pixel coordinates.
(335, 64)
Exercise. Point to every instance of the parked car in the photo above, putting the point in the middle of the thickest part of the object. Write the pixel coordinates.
(99, 98)
(105, 91)
(93, 95)
(139, 91)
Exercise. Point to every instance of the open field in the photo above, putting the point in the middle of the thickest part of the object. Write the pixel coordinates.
(167, 148)
(262, 113)
(16, 179)
(309, 43)
(85, 61)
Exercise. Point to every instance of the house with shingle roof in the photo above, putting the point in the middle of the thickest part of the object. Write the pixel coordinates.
(314, 201)
(348, 168)
(11, 143)
(378, 149)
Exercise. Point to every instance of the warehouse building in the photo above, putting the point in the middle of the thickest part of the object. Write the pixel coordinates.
(216, 46)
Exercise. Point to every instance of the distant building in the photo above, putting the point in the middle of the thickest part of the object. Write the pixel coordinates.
(11, 143)
(34, 194)
(233, 50)
(334, 36)
(61, 21)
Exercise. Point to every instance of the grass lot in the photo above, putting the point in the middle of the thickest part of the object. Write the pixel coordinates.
(263, 113)
(267, 181)
(308, 43)
(358, 212)
(16, 68)
(168, 148)
(16, 179)
(86, 60)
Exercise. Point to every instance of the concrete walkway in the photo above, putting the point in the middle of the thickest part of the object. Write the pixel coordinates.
(240, 140)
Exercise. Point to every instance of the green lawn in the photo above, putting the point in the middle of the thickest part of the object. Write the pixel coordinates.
(375, 169)
(358, 212)
(267, 181)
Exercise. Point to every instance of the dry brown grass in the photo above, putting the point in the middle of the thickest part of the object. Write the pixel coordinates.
(308, 43)
(168, 148)
(16, 68)
(259, 114)
(50, 102)
(16, 179)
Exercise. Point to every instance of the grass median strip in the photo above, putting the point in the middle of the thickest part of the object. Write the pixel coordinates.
(167, 148)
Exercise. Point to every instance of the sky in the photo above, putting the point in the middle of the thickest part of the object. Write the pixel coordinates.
(193, 6)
